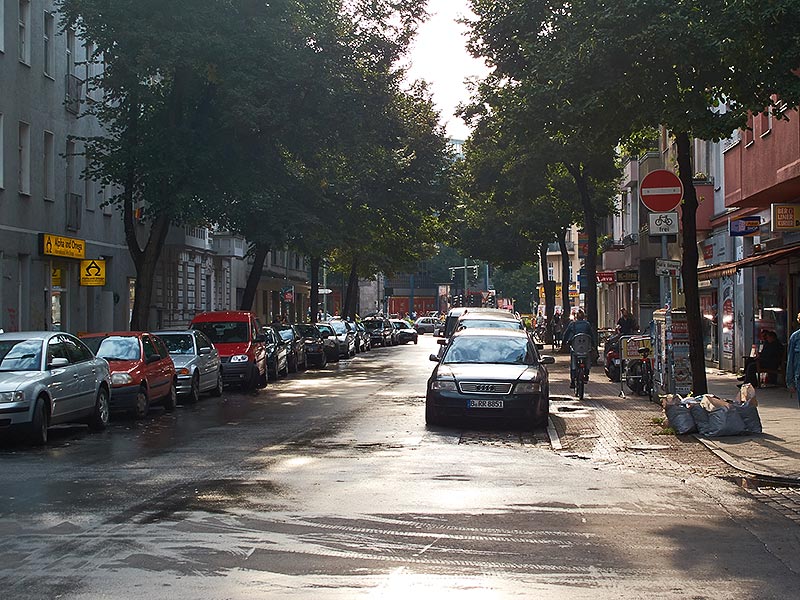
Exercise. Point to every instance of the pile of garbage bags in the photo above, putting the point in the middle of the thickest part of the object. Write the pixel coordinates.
(712, 416)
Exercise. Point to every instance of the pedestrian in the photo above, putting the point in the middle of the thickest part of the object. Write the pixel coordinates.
(626, 322)
(793, 362)
(558, 327)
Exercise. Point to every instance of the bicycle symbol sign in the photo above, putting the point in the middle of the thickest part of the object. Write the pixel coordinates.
(663, 223)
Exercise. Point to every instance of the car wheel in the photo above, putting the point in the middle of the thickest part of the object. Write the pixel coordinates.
(38, 425)
(142, 406)
(323, 361)
(171, 399)
(293, 365)
(305, 362)
(272, 371)
(431, 418)
(217, 391)
(285, 370)
(415, 339)
(194, 390)
(252, 382)
(101, 414)
(263, 378)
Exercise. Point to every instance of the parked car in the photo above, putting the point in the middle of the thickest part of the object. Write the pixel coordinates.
(489, 374)
(485, 320)
(242, 347)
(404, 331)
(364, 338)
(346, 337)
(332, 346)
(295, 345)
(381, 332)
(142, 372)
(48, 378)
(425, 324)
(197, 363)
(315, 344)
(277, 353)
(450, 321)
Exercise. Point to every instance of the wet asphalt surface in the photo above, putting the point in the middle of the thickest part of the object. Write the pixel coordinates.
(328, 485)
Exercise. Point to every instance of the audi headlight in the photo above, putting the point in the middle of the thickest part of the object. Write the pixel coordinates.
(445, 386)
(121, 379)
(12, 396)
(527, 387)
(239, 358)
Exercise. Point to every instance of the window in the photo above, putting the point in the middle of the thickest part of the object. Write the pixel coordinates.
(49, 165)
(2, 137)
(24, 158)
(49, 32)
(70, 51)
(2, 28)
(24, 31)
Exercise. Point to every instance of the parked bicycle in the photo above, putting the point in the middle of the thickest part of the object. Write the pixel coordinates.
(639, 375)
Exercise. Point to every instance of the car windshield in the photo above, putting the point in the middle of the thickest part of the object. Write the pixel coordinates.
(308, 331)
(339, 327)
(225, 332)
(20, 355)
(489, 324)
(287, 335)
(178, 343)
(114, 347)
(325, 329)
(399, 324)
(370, 325)
(486, 349)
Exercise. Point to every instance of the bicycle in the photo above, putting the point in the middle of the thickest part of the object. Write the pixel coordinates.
(663, 220)
(580, 348)
(639, 375)
(540, 334)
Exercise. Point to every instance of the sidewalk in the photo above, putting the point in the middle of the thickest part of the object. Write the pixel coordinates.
(774, 454)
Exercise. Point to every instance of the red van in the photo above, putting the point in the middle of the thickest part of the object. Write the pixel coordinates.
(236, 334)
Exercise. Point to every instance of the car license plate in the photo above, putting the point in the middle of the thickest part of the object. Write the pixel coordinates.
(485, 404)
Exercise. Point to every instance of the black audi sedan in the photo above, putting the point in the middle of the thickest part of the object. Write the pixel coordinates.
(489, 375)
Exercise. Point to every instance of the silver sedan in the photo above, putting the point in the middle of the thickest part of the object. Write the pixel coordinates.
(197, 363)
(48, 378)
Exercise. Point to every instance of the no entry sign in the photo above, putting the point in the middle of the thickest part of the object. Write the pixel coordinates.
(661, 191)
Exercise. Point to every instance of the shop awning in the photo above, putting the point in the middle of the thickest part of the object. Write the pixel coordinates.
(762, 258)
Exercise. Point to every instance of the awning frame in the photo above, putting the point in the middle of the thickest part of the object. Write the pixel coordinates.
(762, 258)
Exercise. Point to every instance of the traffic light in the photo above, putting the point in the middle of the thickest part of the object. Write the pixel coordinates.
(473, 272)
(452, 273)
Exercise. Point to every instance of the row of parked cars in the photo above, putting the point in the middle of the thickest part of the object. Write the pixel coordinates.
(488, 368)
(49, 378)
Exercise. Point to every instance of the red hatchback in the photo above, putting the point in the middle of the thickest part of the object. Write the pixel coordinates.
(142, 371)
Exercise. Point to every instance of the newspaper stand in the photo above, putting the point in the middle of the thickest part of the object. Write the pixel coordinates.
(675, 375)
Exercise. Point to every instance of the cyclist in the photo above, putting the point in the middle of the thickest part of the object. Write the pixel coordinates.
(579, 325)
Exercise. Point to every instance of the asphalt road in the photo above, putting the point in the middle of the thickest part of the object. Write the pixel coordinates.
(329, 485)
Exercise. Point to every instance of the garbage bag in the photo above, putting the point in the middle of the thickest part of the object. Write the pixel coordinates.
(680, 419)
(700, 416)
(747, 394)
(724, 421)
(750, 418)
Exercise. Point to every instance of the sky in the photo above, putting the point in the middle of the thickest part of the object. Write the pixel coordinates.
(439, 55)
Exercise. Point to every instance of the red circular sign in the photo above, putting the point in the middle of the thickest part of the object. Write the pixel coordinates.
(661, 191)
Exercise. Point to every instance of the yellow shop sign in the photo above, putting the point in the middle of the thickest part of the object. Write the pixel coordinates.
(93, 272)
(56, 245)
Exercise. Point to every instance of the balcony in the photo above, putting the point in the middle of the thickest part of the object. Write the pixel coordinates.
(630, 240)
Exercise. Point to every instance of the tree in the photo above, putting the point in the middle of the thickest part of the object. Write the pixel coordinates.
(696, 68)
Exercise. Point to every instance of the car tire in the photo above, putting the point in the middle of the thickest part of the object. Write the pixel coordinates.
(142, 404)
(305, 362)
(194, 390)
(263, 378)
(101, 413)
(323, 361)
(285, 371)
(38, 426)
(292, 364)
(252, 382)
(217, 391)
(170, 401)
(272, 374)
(431, 418)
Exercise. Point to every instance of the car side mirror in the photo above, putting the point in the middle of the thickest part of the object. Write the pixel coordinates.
(204, 351)
(153, 358)
(441, 342)
(433, 358)
(58, 362)
(547, 360)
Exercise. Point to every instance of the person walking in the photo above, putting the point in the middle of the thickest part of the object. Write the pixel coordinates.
(626, 323)
(793, 362)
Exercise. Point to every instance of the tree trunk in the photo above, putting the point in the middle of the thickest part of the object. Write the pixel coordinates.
(145, 261)
(565, 280)
(352, 289)
(314, 301)
(590, 260)
(691, 288)
(549, 293)
(253, 278)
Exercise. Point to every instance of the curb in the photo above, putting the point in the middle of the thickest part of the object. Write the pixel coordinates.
(555, 441)
(741, 466)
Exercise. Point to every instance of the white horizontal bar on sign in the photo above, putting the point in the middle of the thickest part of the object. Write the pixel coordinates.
(660, 191)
